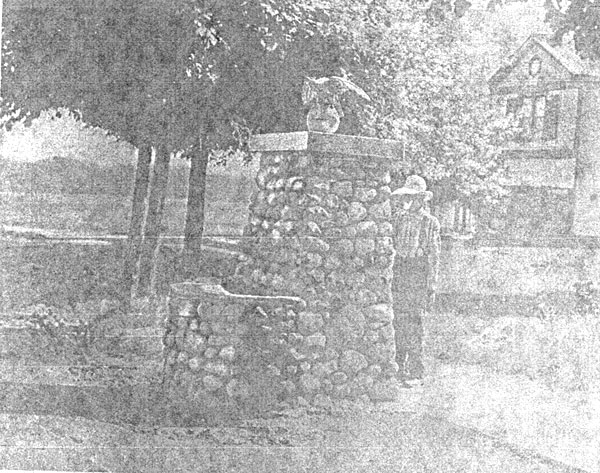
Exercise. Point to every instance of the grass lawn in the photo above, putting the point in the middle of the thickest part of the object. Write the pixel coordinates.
(109, 214)
(562, 350)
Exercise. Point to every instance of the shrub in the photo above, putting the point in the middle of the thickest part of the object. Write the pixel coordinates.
(79, 335)
(557, 346)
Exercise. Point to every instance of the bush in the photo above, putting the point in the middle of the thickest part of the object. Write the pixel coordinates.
(78, 335)
(558, 347)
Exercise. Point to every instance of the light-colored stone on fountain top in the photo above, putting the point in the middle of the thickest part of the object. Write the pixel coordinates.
(326, 143)
(190, 289)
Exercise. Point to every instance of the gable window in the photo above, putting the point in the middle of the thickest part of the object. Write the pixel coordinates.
(537, 115)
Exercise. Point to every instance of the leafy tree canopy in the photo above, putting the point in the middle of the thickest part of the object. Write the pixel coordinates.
(156, 71)
(164, 72)
(426, 91)
(578, 20)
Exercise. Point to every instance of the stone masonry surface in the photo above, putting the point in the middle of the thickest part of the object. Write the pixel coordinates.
(319, 229)
(219, 343)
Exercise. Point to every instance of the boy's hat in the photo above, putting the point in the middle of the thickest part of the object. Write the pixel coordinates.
(414, 185)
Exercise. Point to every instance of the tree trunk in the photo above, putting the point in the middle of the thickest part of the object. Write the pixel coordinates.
(154, 213)
(194, 219)
(140, 191)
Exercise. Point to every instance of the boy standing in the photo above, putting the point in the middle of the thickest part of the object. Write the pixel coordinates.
(416, 267)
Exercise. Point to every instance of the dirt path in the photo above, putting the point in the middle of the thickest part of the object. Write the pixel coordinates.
(345, 438)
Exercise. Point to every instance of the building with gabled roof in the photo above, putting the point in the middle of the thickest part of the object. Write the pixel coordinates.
(554, 163)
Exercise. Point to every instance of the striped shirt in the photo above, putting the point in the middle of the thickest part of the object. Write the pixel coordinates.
(417, 234)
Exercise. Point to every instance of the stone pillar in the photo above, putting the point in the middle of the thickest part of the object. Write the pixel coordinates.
(320, 229)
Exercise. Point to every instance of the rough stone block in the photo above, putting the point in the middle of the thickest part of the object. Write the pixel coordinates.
(356, 211)
(217, 368)
(365, 297)
(362, 194)
(210, 311)
(309, 322)
(331, 354)
(232, 387)
(227, 353)
(385, 229)
(169, 340)
(323, 369)
(212, 383)
(309, 383)
(384, 193)
(364, 380)
(343, 247)
(194, 344)
(332, 201)
(381, 352)
(288, 386)
(182, 357)
(339, 377)
(314, 260)
(241, 329)
(374, 371)
(342, 333)
(352, 361)
(341, 391)
(322, 401)
(316, 339)
(341, 218)
(210, 352)
(235, 310)
(342, 188)
(204, 328)
(364, 246)
(221, 328)
(381, 211)
(387, 333)
(371, 336)
(353, 314)
(216, 340)
(379, 313)
(332, 262)
(187, 309)
(390, 368)
(367, 228)
(317, 183)
(314, 244)
(317, 275)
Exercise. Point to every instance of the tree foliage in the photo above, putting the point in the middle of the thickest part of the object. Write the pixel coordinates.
(425, 93)
(579, 20)
(156, 71)
(196, 75)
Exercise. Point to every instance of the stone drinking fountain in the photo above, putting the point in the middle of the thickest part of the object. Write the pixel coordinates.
(312, 295)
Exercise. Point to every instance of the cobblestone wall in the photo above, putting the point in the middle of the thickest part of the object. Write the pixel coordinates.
(319, 228)
(226, 344)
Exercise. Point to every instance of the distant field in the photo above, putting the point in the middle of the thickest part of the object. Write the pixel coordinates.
(109, 214)
(68, 195)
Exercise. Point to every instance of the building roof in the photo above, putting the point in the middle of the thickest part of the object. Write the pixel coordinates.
(567, 58)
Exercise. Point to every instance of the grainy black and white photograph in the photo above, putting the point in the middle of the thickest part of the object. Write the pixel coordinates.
(300, 236)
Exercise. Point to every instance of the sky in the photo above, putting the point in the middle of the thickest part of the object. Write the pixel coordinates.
(64, 137)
